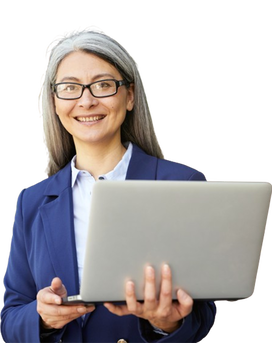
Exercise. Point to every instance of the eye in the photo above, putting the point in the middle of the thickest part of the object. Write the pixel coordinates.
(70, 88)
(104, 85)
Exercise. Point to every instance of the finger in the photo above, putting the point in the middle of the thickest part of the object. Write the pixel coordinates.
(63, 311)
(166, 287)
(59, 320)
(132, 304)
(185, 303)
(119, 310)
(150, 300)
(47, 296)
(57, 316)
(58, 287)
(131, 307)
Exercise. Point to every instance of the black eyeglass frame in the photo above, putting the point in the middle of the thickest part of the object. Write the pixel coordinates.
(118, 84)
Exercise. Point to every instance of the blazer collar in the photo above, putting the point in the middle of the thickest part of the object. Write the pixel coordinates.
(59, 182)
(142, 166)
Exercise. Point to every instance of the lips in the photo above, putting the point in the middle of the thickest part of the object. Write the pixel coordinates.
(90, 118)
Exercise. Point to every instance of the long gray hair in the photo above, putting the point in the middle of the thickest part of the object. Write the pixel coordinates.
(137, 127)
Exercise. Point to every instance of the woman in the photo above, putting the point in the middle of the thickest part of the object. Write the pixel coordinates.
(97, 125)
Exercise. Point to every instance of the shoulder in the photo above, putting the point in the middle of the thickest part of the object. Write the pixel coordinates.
(177, 171)
(52, 186)
(152, 167)
(33, 196)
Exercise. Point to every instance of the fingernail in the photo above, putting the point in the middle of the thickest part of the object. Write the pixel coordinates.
(166, 269)
(81, 310)
(130, 286)
(182, 294)
(150, 271)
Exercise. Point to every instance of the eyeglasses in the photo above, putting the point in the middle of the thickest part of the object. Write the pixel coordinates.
(98, 89)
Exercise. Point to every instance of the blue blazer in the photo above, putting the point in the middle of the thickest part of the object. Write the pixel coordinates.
(43, 247)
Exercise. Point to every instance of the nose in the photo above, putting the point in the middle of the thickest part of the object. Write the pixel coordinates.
(87, 100)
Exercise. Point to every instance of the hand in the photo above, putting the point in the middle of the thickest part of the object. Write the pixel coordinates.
(53, 314)
(163, 312)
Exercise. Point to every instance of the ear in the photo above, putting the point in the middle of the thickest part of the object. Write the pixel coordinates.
(54, 103)
(130, 97)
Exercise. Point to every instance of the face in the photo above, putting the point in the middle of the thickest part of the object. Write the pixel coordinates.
(92, 120)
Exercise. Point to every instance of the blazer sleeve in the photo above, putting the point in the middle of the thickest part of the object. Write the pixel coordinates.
(20, 319)
(19, 312)
(195, 326)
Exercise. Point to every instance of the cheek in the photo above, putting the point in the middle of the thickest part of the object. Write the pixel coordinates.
(116, 108)
(62, 108)
(120, 107)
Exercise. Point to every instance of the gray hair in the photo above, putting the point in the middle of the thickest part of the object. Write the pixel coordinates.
(137, 127)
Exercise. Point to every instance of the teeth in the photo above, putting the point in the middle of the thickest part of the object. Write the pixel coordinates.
(90, 119)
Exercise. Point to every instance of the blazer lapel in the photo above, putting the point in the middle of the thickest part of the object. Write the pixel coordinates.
(142, 166)
(58, 220)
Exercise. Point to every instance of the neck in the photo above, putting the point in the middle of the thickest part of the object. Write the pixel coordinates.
(99, 160)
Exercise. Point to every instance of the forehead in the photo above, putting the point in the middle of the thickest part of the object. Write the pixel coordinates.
(80, 64)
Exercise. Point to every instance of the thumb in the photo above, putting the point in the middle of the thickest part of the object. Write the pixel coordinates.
(185, 303)
(58, 287)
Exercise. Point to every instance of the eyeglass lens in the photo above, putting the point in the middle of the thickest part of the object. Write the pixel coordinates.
(72, 90)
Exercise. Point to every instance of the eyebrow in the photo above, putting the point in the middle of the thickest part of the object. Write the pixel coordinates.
(96, 77)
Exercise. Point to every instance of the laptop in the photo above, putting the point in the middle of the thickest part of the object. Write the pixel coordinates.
(210, 234)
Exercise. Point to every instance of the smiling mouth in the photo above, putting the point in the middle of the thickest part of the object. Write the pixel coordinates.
(90, 119)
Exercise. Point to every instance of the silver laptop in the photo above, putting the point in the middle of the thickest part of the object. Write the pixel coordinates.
(210, 233)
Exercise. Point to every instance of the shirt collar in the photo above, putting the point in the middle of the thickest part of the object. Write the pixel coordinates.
(118, 173)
